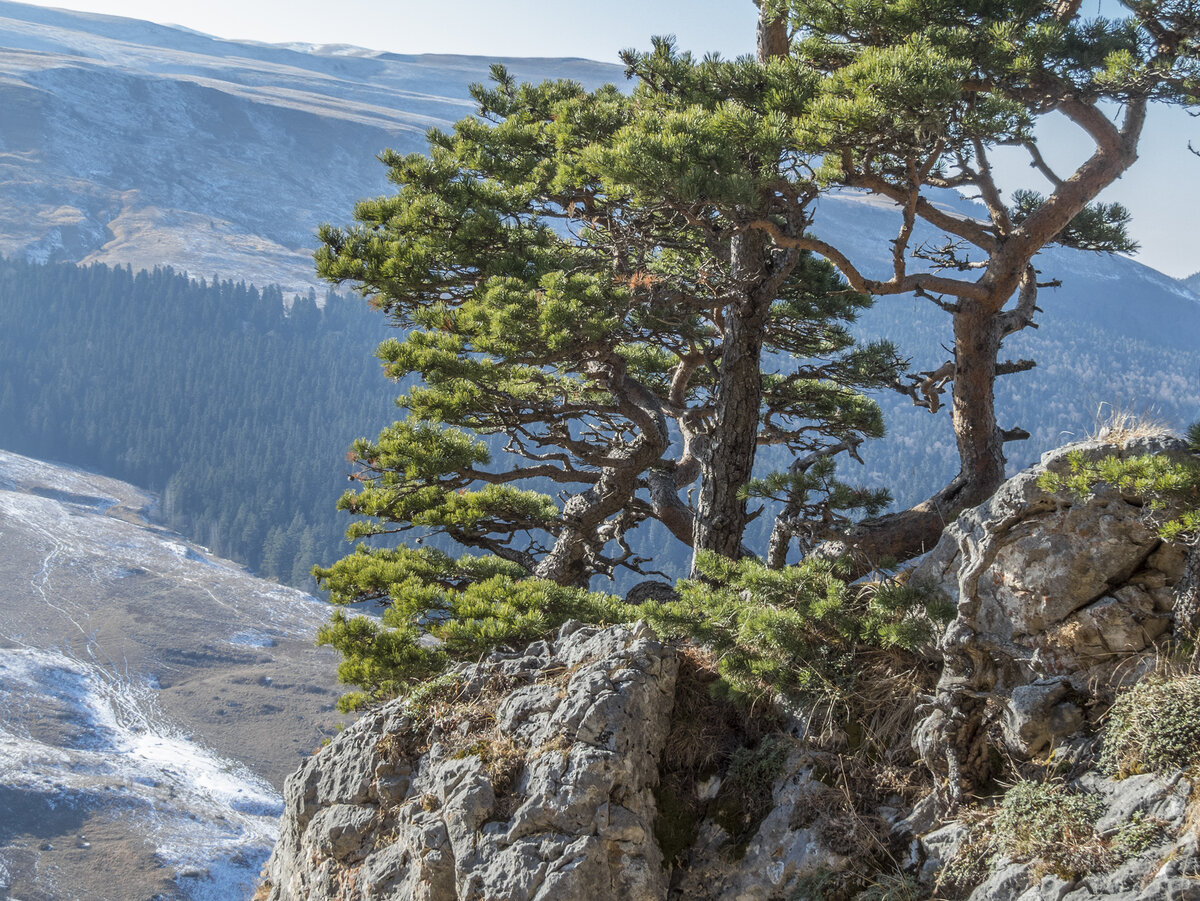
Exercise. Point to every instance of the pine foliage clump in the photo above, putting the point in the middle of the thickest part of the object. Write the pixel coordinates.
(564, 300)
(801, 632)
(439, 609)
(1169, 484)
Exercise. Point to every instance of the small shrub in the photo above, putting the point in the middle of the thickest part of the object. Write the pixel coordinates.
(1170, 486)
(894, 888)
(1045, 821)
(800, 631)
(1135, 836)
(1154, 727)
(1050, 825)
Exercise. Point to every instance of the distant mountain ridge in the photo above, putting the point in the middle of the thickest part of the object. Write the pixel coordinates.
(127, 142)
(1192, 282)
(123, 141)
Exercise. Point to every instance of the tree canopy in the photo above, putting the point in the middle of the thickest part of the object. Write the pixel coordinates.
(635, 292)
(911, 98)
(550, 296)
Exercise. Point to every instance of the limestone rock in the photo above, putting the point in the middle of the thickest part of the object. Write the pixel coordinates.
(550, 798)
(788, 845)
(1057, 596)
(1167, 869)
(536, 779)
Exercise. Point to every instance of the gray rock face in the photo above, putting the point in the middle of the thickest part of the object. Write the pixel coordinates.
(788, 845)
(542, 790)
(1052, 591)
(1166, 869)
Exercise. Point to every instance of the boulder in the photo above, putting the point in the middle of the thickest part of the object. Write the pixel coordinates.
(1059, 598)
(534, 783)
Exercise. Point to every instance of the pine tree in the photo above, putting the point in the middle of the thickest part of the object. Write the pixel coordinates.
(625, 332)
(908, 98)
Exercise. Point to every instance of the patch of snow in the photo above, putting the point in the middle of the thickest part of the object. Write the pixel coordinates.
(211, 820)
(252, 638)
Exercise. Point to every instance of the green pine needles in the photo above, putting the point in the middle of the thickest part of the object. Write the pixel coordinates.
(439, 610)
(583, 346)
(1170, 485)
(800, 631)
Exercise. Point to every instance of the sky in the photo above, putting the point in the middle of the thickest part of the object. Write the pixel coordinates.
(1162, 190)
(595, 30)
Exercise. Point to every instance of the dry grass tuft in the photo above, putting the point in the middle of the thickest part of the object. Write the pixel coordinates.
(884, 703)
(1118, 424)
(705, 727)
(462, 717)
(503, 760)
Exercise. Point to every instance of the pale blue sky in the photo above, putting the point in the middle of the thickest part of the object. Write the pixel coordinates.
(1162, 190)
(596, 29)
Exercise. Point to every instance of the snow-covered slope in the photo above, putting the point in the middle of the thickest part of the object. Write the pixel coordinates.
(127, 142)
(152, 698)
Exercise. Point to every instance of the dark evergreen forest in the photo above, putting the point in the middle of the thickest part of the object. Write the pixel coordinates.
(213, 394)
(239, 413)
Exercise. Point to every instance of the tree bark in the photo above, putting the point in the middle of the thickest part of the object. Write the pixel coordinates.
(578, 540)
(772, 35)
(727, 452)
(1187, 592)
(909, 533)
(977, 337)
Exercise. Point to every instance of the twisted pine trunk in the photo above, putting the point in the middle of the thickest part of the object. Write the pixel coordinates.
(727, 452)
(1187, 592)
(980, 443)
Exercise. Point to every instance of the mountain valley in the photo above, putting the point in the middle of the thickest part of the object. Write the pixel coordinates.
(152, 697)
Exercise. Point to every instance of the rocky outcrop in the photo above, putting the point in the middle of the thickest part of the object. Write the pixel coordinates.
(600, 765)
(1162, 866)
(533, 781)
(1059, 599)
(535, 775)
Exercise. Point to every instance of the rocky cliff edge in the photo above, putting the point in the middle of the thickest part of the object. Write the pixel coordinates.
(554, 773)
